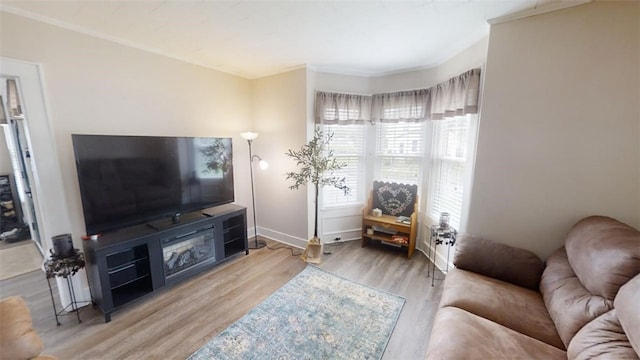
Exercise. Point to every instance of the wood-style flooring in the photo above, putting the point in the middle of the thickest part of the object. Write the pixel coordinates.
(175, 322)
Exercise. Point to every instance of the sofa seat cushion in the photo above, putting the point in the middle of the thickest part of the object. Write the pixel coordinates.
(570, 305)
(602, 337)
(515, 307)
(458, 334)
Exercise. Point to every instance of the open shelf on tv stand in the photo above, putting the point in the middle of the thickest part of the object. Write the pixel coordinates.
(131, 263)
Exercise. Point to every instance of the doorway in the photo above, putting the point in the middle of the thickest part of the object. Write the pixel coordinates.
(18, 203)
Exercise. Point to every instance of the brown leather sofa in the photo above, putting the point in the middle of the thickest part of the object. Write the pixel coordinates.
(501, 302)
(18, 339)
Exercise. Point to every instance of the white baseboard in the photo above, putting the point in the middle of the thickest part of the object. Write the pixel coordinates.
(281, 237)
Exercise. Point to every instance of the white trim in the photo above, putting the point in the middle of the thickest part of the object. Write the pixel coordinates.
(278, 236)
(537, 11)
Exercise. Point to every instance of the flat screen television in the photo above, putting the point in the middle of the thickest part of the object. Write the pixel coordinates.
(129, 180)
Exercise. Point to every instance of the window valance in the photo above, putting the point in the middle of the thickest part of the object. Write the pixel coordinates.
(402, 106)
(344, 109)
(454, 97)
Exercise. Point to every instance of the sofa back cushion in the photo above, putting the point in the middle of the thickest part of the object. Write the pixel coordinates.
(18, 340)
(517, 266)
(627, 304)
(604, 253)
(602, 337)
(569, 303)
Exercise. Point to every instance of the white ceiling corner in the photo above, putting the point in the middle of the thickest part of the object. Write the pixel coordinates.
(259, 38)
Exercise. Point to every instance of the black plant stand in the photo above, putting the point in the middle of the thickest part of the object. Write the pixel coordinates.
(65, 268)
(440, 236)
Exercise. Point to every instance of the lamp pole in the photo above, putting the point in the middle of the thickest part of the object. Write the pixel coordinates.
(258, 244)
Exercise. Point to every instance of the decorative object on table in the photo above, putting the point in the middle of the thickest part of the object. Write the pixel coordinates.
(250, 136)
(394, 199)
(395, 223)
(404, 219)
(316, 166)
(440, 236)
(326, 317)
(62, 246)
(65, 267)
(444, 220)
(400, 239)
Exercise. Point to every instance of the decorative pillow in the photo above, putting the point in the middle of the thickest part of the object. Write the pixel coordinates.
(393, 198)
(604, 253)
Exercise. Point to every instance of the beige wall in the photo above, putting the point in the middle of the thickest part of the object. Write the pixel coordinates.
(94, 86)
(279, 113)
(472, 57)
(560, 127)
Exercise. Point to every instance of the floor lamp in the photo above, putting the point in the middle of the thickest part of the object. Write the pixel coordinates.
(250, 136)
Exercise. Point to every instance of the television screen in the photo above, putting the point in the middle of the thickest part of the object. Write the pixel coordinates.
(128, 180)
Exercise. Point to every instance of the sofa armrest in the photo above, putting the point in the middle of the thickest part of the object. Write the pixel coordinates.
(499, 261)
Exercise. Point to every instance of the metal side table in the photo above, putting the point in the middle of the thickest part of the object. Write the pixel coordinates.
(65, 268)
(440, 236)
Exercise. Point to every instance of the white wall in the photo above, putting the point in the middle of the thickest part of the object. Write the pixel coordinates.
(94, 86)
(560, 131)
(279, 113)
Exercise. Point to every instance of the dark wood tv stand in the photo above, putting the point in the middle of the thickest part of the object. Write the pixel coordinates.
(132, 263)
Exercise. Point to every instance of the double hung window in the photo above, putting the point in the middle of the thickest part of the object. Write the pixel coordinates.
(348, 147)
(449, 167)
(399, 152)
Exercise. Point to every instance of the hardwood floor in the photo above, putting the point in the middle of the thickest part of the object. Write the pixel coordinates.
(175, 322)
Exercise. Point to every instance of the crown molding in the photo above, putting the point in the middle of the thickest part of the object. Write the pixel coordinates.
(555, 6)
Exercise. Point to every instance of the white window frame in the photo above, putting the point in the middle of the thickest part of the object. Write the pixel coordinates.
(357, 195)
(458, 219)
(419, 155)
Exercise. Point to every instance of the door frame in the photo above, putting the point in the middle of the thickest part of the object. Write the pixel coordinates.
(51, 209)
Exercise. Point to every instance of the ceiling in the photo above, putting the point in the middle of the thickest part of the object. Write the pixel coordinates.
(258, 38)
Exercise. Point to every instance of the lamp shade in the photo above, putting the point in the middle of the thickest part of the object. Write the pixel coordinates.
(249, 135)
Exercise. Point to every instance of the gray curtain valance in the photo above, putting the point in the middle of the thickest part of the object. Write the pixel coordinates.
(454, 97)
(402, 106)
(344, 109)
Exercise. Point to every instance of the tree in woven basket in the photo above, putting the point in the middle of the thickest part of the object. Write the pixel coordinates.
(317, 165)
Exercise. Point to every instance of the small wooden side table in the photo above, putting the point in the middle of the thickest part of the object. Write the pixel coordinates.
(440, 236)
(65, 268)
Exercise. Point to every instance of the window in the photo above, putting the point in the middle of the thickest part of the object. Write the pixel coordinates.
(448, 167)
(348, 146)
(400, 152)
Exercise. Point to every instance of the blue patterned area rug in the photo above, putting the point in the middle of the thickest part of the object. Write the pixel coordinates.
(316, 315)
